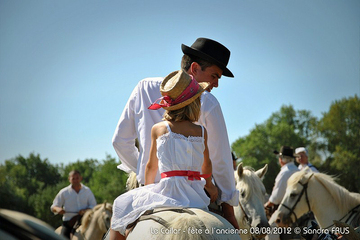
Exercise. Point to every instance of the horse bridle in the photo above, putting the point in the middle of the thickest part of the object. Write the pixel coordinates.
(247, 218)
(350, 213)
(105, 223)
(304, 190)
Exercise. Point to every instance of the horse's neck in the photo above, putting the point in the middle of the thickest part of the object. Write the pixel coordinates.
(326, 213)
(326, 210)
(92, 231)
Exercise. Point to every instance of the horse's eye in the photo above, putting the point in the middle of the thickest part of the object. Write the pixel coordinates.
(242, 193)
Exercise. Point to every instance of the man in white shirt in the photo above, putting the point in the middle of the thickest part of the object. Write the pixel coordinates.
(302, 159)
(72, 202)
(286, 161)
(206, 61)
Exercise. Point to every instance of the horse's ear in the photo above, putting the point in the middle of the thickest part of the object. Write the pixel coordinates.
(261, 172)
(240, 170)
(105, 204)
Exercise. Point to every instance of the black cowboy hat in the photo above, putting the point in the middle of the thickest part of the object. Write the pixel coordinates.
(211, 51)
(285, 151)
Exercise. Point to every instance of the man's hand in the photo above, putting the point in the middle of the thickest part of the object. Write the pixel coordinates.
(82, 212)
(268, 204)
(58, 210)
(270, 208)
(212, 191)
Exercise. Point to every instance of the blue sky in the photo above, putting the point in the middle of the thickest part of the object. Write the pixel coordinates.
(68, 67)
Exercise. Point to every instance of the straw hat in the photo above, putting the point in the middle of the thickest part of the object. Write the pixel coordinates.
(179, 89)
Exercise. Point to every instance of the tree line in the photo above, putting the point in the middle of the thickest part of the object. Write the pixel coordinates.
(29, 184)
(333, 141)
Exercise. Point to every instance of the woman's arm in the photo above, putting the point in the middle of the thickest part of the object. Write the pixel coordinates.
(207, 169)
(152, 164)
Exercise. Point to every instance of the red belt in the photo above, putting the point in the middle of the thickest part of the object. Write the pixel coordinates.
(192, 175)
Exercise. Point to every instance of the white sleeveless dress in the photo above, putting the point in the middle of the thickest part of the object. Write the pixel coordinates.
(175, 152)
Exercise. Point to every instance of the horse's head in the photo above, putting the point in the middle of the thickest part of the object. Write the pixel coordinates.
(98, 218)
(296, 199)
(251, 212)
(104, 214)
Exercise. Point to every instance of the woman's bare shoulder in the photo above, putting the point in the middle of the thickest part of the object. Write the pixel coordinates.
(159, 128)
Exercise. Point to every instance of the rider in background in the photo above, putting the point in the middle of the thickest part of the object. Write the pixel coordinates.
(286, 161)
(302, 155)
(72, 202)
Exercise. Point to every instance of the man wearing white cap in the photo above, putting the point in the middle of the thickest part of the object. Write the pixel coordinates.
(302, 158)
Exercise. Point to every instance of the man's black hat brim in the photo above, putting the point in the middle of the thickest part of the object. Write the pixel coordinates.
(194, 52)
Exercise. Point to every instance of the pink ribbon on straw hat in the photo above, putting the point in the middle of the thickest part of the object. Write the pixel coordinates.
(166, 101)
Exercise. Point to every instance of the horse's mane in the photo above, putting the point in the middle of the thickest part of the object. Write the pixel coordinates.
(131, 182)
(342, 197)
(86, 219)
(248, 182)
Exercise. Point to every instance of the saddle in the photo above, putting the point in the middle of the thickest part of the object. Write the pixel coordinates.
(74, 223)
(148, 215)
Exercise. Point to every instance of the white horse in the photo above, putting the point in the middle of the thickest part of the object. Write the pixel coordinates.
(183, 224)
(180, 223)
(94, 223)
(250, 212)
(318, 192)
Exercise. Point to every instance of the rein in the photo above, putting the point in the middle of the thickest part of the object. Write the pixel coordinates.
(247, 218)
(351, 212)
(304, 190)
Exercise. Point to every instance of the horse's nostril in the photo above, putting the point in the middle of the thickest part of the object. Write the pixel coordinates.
(278, 220)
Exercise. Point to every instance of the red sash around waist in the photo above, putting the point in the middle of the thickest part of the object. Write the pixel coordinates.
(192, 175)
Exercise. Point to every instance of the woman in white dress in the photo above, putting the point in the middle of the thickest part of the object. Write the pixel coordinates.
(178, 150)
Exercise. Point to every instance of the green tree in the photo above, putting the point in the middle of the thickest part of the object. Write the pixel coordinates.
(108, 182)
(286, 127)
(30, 184)
(340, 131)
(25, 177)
(42, 201)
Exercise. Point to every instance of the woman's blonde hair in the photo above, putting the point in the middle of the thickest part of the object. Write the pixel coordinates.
(190, 112)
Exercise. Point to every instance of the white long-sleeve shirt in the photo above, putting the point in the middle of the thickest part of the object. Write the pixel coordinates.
(136, 121)
(72, 202)
(279, 189)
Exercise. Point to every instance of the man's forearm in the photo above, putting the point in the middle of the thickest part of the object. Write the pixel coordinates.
(229, 215)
